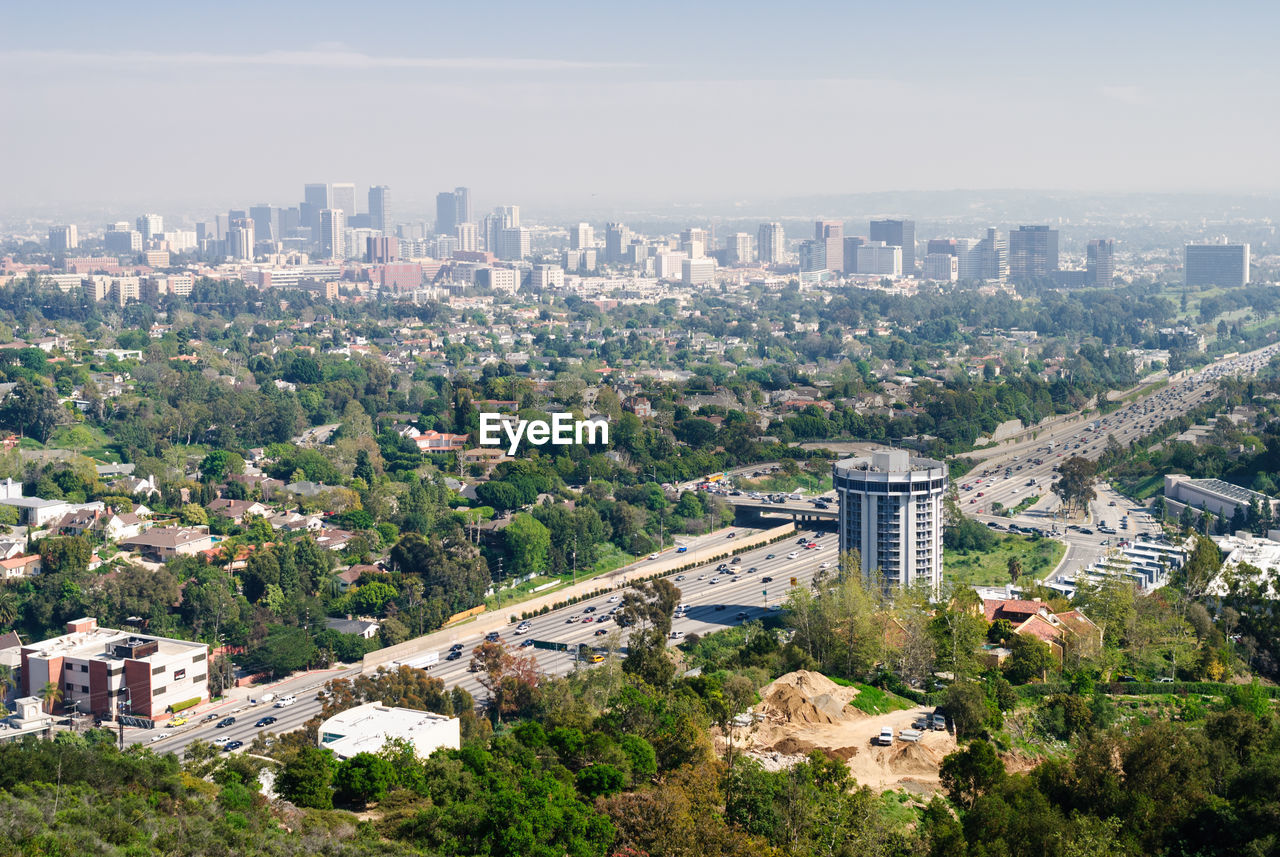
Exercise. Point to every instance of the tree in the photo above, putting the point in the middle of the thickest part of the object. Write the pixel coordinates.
(1015, 569)
(363, 778)
(958, 631)
(285, 650)
(1030, 658)
(966, 703)
(219, 464)
(528, 543)
(306, 780)
(32, 409)
(1076, 477)
(8, 607)
(648, 607)
(50, 693)
(970, 773)
(192, 515)
(510, 679)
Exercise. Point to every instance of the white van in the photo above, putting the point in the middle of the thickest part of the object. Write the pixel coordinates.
(286, 701)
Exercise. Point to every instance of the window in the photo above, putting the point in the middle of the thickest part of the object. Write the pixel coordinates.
(84, 668)
(84, 689)
(198, 658)
(157, 670)
(179, 674)
(157, 691)
(199, 678)
(70, 686)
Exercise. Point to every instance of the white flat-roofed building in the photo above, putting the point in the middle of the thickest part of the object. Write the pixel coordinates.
(880, 259)
(109, 672)
(1245, 549)
(891, 513)
(698, 272)
(1212, 495)
(366, 728)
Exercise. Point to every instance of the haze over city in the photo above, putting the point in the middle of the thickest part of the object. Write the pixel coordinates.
(608, 105)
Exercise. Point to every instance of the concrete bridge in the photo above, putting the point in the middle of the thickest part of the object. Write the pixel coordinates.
(799, 511)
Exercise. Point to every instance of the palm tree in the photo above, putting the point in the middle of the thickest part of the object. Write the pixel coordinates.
(51, 693)
(8, 608)
(7, 682)
(1015, 569)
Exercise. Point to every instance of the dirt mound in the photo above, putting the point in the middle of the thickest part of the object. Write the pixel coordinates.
(805, 698)
(908, 758)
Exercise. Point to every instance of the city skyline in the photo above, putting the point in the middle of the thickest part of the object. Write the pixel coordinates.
(1116, 122)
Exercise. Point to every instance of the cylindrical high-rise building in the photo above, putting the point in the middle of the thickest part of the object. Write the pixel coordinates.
(891, 511)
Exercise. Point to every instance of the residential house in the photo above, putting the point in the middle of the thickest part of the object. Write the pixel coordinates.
(435, 441)
(163, 543)
(19, 567)
(1069, 630)
(237, 509)
(366, 628)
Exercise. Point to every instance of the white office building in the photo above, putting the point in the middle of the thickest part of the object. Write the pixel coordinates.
(698, 272)
(891, 512)
(366, 728)
(880, 259)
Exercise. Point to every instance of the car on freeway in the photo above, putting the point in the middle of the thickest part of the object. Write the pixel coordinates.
(741, 616)
(586, 620)
(208, 718)
(679, 577)
(600, 632)
(225, 722)
(675, 635)
(792, 555)
(492, 637)
(264, 721)
(456, 647)
(653, 556)
(453, 655)
(589, 610)
(232, 745)
(771, 556)
(682, 549)
(826, 564)
(719, 606)
(614, 599)
(596, 659)
(766, 580)
(178, 721)
(524, 644)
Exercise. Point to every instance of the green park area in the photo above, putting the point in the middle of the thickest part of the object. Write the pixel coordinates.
(990, 567)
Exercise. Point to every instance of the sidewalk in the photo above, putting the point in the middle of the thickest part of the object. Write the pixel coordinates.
(238, 697)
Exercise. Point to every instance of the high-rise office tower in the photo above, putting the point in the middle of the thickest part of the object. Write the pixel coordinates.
(63, 238)
(741, 247)
(380, 207)
(941, 245)
(968, 258)
(813, 255)
(333, 234)
(941, 267)
(1216, 264)
(831, 234)
(315, 199)
(513, 243)
(993, 258)
(1033, 252)
(616, 240)
(1100, 262)
(851, 245)
(266, 222)
(452, 207)
(343, 196)
(891, 512)
(898, 233)
(468, 237)
(880, 259)
(771, 243)
(581, 236)
(150, 225)
(503, 217)
(240, 239)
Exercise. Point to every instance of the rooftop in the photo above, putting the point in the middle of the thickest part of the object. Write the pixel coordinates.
(890, 461)
(365, 728)
(99, 644)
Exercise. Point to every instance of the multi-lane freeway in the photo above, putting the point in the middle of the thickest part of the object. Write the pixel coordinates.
(758, 581)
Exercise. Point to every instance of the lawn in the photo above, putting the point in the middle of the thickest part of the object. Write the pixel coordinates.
(873, 700)
(991, 568)
(780, 483)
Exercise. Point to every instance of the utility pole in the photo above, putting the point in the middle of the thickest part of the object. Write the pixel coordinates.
(120, 712)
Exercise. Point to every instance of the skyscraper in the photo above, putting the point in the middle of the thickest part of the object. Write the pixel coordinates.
(452, 207)
(581, 236)
(380, 207)
(1216, 264)
(513, 243)
(993, 257)
(63, 238)
(150, 225)
(240, 239)
(741, 247)
(831, 234)
(771, 243)
(1100, 265)
(315, 199)
(333, 233)
(343, 196)
(851, 245)
(468, 237)
(1033, 252)
(266, 222)
(880, 259)
(891, 512)
(616, 239)
(813, 255)
(898, 233)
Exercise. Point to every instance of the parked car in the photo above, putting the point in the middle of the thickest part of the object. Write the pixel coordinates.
(885, 738)
(939, 722)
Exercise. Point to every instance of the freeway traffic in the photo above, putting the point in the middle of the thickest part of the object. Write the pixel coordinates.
(714, 599)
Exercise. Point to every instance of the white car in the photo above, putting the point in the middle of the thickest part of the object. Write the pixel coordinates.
(826, 565)
(614, 599)
(885, 739)
(653, 556)
(792, 555)
(521, 629)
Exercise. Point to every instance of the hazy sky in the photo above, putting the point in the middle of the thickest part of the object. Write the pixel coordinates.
(553, 102)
